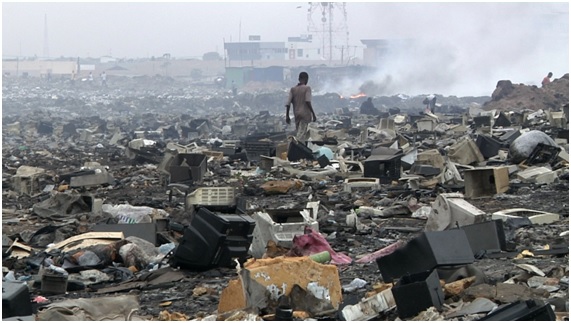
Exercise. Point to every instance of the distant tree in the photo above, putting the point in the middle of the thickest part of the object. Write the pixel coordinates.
(211, 56)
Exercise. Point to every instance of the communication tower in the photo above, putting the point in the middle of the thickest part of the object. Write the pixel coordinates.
(328, 22)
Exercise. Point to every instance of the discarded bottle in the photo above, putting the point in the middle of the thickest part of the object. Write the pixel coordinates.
(50, 265)
(10, 276)
(284, 312)
(166, 248)
(354, 285)
(58, 270)
(321, 257)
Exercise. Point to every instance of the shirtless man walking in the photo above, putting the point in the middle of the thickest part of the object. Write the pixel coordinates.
(300, 97)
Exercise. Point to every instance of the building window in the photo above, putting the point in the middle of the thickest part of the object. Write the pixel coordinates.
(300, 53)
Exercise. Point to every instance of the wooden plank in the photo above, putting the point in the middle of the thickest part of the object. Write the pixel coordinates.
(87, 243)
(88, 235)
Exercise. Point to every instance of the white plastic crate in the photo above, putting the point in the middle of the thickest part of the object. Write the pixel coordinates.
(282, 231)
(212, 196)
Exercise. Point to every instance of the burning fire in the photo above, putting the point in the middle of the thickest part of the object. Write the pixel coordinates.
(356, 96)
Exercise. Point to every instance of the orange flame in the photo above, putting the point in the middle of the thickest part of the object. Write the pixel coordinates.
(356, 96)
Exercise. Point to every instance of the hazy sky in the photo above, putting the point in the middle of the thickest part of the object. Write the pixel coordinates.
(481, 42)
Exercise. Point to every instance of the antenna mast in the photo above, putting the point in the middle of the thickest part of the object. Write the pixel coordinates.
(332, 28)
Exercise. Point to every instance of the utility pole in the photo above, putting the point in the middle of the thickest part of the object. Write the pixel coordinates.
(46, 43)
(18, 61)
(330, 34)
(240, 40)
(342, 48)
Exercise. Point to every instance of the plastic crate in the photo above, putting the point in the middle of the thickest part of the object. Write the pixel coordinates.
(280, 226)
(256, 148)
(218, 196)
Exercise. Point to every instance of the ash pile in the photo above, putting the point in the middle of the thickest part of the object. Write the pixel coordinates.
(156, 200)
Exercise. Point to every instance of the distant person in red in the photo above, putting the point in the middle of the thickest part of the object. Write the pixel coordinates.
(547, 79)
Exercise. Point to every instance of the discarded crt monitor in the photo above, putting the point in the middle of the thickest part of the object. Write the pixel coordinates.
(384, 167)
(45, 128)
(482, 121)
(509, 137)
(502, 121)
(486, 237)
(15, 299)
(187, 167)
(297, 151)
(214, 240)
(323, 161)
(426, 252)
(543, 154)
(486, 181)
(417, 292)
(530, 310)
(488, 146)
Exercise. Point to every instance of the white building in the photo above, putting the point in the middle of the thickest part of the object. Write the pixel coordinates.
(107, 59)
(303, 48)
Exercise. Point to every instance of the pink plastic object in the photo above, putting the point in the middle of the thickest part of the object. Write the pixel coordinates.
(313, 242)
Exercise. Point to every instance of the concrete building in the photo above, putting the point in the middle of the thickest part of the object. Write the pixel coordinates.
(377, 50)
(38, 68)
(246, 53)
(303, 48)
